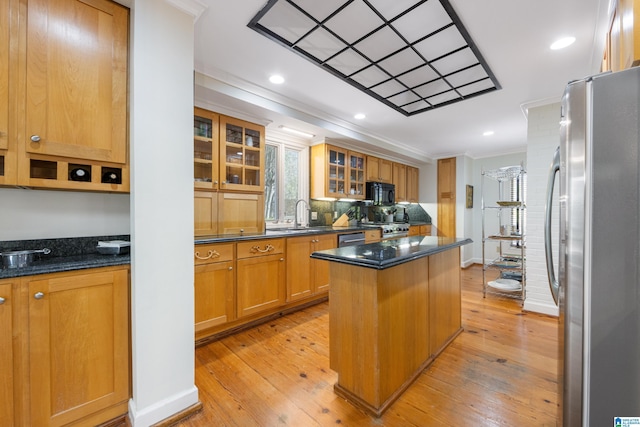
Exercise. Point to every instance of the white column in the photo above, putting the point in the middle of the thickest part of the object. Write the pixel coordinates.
(543, 137)
(161, 106)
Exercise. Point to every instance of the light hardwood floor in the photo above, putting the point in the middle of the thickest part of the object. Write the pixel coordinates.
(501, 371)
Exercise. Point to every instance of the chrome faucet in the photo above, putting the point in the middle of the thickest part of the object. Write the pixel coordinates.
(295, 215)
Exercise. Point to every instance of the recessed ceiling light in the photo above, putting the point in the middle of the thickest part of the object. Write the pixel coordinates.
(276, 79)
(562, 43)
(359, 116)
(488, 133)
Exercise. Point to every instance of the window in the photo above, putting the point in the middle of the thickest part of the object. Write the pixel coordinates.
(286, 181)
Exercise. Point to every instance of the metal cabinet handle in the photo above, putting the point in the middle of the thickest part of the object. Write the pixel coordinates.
(281, 259)
(256, 248)
(35, 138)
(230, 268)
(2, 300)
(38, 295)
(210, 254)
(215, 182)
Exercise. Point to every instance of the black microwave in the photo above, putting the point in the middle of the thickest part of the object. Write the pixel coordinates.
(381, 194)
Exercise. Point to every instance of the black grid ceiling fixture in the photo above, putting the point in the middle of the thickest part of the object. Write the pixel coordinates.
(412, 55)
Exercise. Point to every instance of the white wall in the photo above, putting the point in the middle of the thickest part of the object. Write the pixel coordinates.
(428, 189)
(464, 216)
(491, 194)
(44, 214)
(543, 136)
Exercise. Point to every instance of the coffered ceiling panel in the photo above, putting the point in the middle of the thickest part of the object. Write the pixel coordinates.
(411, 55)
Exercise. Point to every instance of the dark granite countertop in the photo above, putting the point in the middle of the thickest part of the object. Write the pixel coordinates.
(287, 232)
(391, 252)
(67, 254)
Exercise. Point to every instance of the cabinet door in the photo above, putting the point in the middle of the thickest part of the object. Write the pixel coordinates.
(6, 355)
(205, 212)
(379, 170)
(299, 272)
(357, 168)
(76, 101)
(240, 213)
(400, 181)
(412, 184)
(4, 82)
(213, 294)
(445, 318)
(205, 149)
(78, 345)
(321, 267)
(260, 284)
(241, 155)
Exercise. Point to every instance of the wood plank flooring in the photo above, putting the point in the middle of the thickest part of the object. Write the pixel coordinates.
(501, 371)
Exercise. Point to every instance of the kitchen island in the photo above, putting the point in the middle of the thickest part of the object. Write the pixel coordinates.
(393, 307)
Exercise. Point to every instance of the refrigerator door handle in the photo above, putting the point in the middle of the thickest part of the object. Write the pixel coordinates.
(553, 171)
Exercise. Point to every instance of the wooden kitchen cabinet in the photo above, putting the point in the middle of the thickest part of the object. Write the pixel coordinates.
(337, 173)
(227, 213)
(205, 212)
(400, 181)
(260, 276)
(420, 230)
(372, 236)
(214, 285)
(379, 170)
(412, 192)
(241, 155)
(83, 146)
(6, 354)
(445, 315)
(206, 144)
(240, 213)
(8, 94)
(306, 276)
(77, 363)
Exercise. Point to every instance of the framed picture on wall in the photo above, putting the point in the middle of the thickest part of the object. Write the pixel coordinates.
(469, 196)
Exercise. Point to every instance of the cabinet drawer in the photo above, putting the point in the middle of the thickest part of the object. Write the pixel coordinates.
(372, 236)
(254, 248)
(206, 254)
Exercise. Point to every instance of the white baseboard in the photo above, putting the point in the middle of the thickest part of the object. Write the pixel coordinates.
(163, 409)
(542, 308)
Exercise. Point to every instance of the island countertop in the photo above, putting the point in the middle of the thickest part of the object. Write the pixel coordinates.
(390, 253)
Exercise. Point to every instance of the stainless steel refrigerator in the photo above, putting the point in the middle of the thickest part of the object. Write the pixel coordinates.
(598, 285)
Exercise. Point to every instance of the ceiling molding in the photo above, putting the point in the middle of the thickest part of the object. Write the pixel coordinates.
(301, 112)
(194, 8)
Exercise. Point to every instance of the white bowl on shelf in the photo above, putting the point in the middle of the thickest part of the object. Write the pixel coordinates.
(505, 284)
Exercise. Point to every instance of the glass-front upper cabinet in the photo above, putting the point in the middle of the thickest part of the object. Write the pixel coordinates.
(357, 168)
(241, 155)
(337, 164)
(205, 149)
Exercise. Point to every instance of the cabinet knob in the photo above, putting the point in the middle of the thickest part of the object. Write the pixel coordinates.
(281, 259)
(215, 182)
(224, 182)
(35, 138)
(38, 295)
(2, 300)
(230, 268)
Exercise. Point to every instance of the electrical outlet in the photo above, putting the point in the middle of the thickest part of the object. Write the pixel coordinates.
(314, 216)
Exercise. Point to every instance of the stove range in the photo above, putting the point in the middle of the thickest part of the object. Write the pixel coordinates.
(390, 230)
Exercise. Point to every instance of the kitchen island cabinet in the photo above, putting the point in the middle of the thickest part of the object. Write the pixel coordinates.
(70, 347)
(395, 306)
